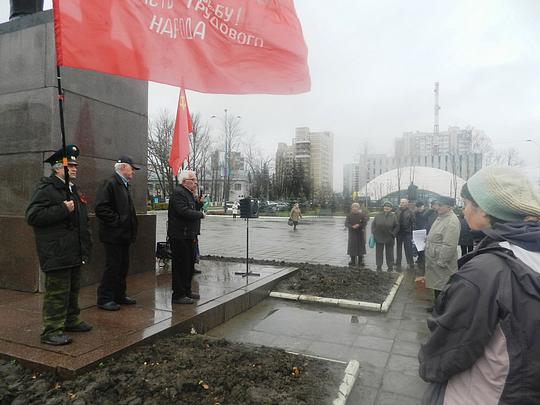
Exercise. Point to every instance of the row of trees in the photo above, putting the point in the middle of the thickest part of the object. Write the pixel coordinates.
(264, 183)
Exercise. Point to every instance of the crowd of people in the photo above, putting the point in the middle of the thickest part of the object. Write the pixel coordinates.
(392, 232)
(485, 321)
(59, 217)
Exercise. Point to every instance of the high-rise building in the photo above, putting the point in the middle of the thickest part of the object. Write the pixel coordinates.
(450, 151)
(454, 141)
(314, 151)
(219, 171)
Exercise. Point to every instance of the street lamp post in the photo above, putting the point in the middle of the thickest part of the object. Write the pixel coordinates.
(227, 157)
(538, 146)
(225, 165)
(202, 173)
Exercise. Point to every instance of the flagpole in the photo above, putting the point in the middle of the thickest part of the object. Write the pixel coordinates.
(63, 130)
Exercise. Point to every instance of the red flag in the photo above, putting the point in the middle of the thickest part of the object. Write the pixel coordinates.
(182, 128)
(225, 46)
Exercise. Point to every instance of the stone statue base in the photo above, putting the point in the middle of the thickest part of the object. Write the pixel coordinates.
(105, 116)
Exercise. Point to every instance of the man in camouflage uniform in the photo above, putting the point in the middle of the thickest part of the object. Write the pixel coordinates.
(63, 244)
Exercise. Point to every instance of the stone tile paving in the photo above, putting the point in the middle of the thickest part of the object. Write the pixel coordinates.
(386, 345)
(317, 240)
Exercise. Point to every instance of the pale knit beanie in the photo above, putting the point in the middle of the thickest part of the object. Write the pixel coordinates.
(504, 193)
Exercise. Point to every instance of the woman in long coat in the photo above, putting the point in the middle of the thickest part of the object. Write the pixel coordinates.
(356, 222)
(295, 215)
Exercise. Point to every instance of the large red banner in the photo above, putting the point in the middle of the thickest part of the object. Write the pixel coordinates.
(211, 46)
(182, 128)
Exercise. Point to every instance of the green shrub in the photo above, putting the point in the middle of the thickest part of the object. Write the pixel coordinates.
(158, 206)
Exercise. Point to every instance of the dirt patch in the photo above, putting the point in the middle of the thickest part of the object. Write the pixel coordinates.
(339, 282)
(323, 280)
(183, 369)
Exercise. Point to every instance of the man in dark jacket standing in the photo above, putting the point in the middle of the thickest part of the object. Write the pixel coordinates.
(184, 226)
(420, 222)
(385, 227)
(60, 222)
(404, 236)
(117, 230)
(431, 215)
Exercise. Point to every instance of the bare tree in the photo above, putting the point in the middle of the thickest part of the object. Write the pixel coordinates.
(259, 168)
(399, 172)
(482, 144)
(232, 135)
(200, 145)
(160, 134)
(508, 157)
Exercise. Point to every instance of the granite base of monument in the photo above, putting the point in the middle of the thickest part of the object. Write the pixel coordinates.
(20, 264)
(106, 116)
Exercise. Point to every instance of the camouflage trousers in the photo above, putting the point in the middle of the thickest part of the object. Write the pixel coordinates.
(61, 300)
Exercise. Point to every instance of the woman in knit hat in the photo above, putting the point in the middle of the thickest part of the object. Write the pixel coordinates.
(484, 346)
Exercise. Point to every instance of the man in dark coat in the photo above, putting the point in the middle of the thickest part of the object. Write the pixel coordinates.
(420, 222)
(404, 236)
(431, 215)
(63, 242)
(184, 226)
(466, 239)
(384, 228)
(117, 230)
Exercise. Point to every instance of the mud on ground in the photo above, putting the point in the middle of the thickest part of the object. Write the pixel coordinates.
(183, 369)
(323, 280)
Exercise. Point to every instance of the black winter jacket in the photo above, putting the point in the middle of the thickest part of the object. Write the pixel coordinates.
(420, 220)
(184, 215)
(465, 233)
(484, 346)
(63, 239)
(116, 212)
(406, 221)
(430, 215)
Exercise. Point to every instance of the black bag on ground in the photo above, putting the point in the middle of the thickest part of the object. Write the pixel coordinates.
(163, 250)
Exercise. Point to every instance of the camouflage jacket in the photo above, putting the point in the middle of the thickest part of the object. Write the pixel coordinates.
(63, 239)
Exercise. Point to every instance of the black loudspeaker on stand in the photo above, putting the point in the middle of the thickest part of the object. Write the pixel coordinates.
(249, 208)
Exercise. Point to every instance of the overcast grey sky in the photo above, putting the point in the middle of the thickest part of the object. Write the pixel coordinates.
(373, 65)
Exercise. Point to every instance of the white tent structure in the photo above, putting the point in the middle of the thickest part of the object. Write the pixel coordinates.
(429, 179)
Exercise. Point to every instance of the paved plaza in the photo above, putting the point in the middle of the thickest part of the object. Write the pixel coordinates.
(223, 295)
(386, 345)
(317, 240)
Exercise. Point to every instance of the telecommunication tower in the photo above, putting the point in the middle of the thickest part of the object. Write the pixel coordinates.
(437, 108)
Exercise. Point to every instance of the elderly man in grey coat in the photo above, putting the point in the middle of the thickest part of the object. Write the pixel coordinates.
(441, 246)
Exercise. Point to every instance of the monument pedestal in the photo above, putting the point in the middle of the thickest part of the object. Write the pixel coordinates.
(105, 116)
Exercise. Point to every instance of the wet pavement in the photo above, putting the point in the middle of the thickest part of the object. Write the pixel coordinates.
(317, 240)
(223, 295)
(386, 345)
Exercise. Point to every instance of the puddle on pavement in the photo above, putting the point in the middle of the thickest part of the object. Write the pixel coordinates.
(270, 313)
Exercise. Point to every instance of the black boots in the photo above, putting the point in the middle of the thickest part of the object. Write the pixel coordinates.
(354, 262)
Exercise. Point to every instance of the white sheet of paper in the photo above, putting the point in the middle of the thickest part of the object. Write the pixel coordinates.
(419, 239)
